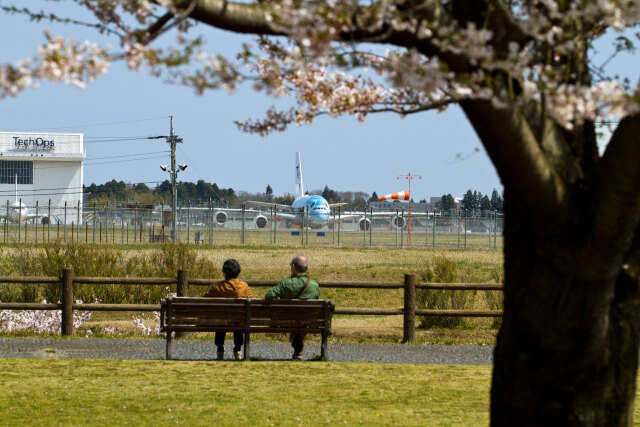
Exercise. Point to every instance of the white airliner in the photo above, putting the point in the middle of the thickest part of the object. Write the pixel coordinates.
(311, 211)
(19, 213)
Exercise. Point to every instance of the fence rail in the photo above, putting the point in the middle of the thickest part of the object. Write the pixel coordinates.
(408, 311)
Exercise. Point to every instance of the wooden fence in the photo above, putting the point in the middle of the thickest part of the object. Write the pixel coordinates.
(67, 281)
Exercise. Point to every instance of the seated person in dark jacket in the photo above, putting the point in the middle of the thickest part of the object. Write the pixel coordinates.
(298, 286)
(230, 287)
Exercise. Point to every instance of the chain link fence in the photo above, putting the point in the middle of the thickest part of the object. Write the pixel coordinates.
(135, 223)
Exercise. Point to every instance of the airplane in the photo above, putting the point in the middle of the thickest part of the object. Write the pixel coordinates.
(309, 210)
(19, 213)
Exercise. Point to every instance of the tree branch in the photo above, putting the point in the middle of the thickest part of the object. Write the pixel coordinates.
(231, 16)
(616, 202)
(521, 163)
(251, 19)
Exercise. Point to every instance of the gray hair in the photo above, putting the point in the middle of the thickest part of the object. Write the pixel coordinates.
(300, 263)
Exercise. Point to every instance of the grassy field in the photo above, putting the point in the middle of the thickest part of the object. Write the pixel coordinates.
(224, 237)
(348, 264)
(129, 392)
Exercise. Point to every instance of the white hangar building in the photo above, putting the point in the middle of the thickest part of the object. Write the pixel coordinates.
(46, 166)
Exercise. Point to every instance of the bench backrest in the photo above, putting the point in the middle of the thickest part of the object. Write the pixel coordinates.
(241, 314)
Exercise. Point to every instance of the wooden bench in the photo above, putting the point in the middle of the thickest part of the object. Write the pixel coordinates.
(186, 314)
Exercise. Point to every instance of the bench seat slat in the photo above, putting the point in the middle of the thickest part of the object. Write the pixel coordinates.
(207, 314)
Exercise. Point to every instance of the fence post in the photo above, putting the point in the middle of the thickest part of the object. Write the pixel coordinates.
(243, 212)
(183, 283)
(409, 330)
(67, 301)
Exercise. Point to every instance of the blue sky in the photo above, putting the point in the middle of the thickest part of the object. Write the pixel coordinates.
(341, 153)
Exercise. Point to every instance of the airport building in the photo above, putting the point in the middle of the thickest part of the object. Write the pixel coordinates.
(45, 166)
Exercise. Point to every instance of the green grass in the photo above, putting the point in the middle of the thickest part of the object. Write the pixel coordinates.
(130, 392)
(327, 263)
(253, 237)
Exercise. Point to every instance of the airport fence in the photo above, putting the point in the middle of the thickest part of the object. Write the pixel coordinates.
(182, 284)
(134, 223)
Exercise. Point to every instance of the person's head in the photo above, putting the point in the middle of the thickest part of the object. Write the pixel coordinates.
(299, 264)
(231, 269)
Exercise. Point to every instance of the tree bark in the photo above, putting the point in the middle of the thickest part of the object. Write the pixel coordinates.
(567, 351)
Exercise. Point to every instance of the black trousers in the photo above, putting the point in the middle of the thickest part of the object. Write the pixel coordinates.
(297, 342)
(238, 340)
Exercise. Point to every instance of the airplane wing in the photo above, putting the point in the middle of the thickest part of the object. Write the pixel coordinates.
(337, 205)
(269, 205)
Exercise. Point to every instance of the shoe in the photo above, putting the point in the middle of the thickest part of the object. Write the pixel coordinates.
(220, 355)
(237, 355)
(297, 355)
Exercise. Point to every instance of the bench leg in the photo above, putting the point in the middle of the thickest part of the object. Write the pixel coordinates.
(323, 346)
(168, 346)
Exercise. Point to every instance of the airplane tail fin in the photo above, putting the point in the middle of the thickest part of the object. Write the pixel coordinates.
(299, 189)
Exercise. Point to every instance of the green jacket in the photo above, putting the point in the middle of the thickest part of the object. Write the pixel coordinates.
(289, 288)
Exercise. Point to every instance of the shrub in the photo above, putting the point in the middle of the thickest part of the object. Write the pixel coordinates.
(99, 261)
(443, 270)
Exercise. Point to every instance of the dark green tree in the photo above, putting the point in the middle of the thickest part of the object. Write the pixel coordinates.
(485, 203)
(468, 201)
(496, 201)
(447, 203)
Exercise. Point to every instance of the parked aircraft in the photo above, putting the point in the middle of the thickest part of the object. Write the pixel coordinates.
(17, 211)
(311, 211)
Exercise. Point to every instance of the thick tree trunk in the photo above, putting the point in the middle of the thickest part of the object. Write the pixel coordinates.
(567, 352)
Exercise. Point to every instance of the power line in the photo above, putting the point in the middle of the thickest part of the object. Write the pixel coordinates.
(89, 163)
(122, 161)
(127, 155)
(116, 139)
(198, 170)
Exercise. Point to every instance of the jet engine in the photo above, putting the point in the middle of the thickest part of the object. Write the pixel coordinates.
(260, 221)
(399, 221)
(220, 217)
(364, 224)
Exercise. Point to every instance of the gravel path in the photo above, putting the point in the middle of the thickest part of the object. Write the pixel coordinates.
(151, 349)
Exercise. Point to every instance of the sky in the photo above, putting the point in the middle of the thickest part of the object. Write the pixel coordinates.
(121, 109)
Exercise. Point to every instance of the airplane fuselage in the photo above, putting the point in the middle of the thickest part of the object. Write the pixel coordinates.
(318, 209)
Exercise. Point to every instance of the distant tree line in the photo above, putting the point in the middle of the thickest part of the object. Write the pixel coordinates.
(473, 201)
(119, 191)
(203, 192)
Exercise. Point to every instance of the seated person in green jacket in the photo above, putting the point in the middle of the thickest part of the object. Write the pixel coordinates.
(298, 286)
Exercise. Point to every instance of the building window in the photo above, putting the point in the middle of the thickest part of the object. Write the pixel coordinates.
(10, 168)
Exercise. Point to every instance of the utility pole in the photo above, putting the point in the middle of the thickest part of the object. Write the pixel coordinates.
(172, 140)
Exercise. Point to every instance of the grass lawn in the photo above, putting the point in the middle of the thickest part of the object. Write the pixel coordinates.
(131, 392)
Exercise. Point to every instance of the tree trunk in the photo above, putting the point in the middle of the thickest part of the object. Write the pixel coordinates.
(567, 351)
